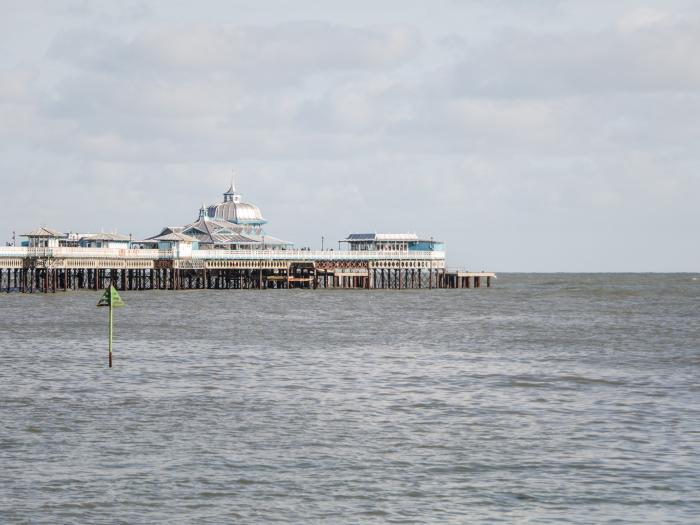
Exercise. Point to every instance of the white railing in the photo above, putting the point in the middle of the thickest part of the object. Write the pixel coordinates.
(326, 255)
(12, 251)
(284, 255)
(102, 253)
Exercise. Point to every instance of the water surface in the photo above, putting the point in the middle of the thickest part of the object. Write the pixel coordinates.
(546, 399)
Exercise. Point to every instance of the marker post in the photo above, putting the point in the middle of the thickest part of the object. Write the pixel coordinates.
(111, 299)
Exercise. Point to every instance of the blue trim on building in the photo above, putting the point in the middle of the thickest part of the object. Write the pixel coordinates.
(426, 246)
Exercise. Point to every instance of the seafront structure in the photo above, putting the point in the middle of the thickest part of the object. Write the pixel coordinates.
(226, 247)
(229, 225)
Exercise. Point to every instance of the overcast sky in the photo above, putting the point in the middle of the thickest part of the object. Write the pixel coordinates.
(529, 136)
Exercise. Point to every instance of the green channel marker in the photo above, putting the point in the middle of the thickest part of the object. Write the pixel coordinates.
(110, 298)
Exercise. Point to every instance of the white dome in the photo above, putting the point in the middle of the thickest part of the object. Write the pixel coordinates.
(238, 212)
(233, 210)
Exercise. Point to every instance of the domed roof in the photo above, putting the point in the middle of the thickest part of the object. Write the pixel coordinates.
(238, 212)
(234, 210)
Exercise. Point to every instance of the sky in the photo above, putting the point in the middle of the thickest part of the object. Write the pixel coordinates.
(535, 136)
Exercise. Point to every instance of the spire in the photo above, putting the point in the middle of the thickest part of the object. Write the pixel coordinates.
(203, 212)
(231, 194)
(232, 187)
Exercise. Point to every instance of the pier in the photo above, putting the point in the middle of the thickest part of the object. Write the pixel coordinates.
(56, 269)
(226, 247)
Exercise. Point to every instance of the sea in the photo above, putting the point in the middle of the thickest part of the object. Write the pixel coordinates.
(548, 398)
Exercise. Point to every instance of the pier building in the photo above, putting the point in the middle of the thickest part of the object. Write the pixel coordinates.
(44, 238)
(104, 240)
(228, 225)
(391, 242)
(225, 247)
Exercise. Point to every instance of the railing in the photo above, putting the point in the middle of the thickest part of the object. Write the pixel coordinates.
(103, 253)
(285, 255)
(12, 251)
(326, 255)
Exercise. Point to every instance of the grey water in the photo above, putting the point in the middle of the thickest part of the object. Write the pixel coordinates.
(546, 399)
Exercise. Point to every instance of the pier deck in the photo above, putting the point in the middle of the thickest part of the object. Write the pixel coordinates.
(61, 268)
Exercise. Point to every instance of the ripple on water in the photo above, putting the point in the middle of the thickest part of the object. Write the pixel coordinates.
(548, 399)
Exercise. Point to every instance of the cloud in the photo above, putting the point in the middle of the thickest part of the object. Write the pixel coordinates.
(100, 10)
(214, 92)
(642, 19)
(646, 51)
(285, 53)
(527, 130)
(15, 86)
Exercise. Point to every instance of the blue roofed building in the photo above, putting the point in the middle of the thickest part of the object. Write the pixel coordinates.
(392, 242)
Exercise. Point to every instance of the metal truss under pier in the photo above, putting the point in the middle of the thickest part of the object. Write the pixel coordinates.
(30, 270)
